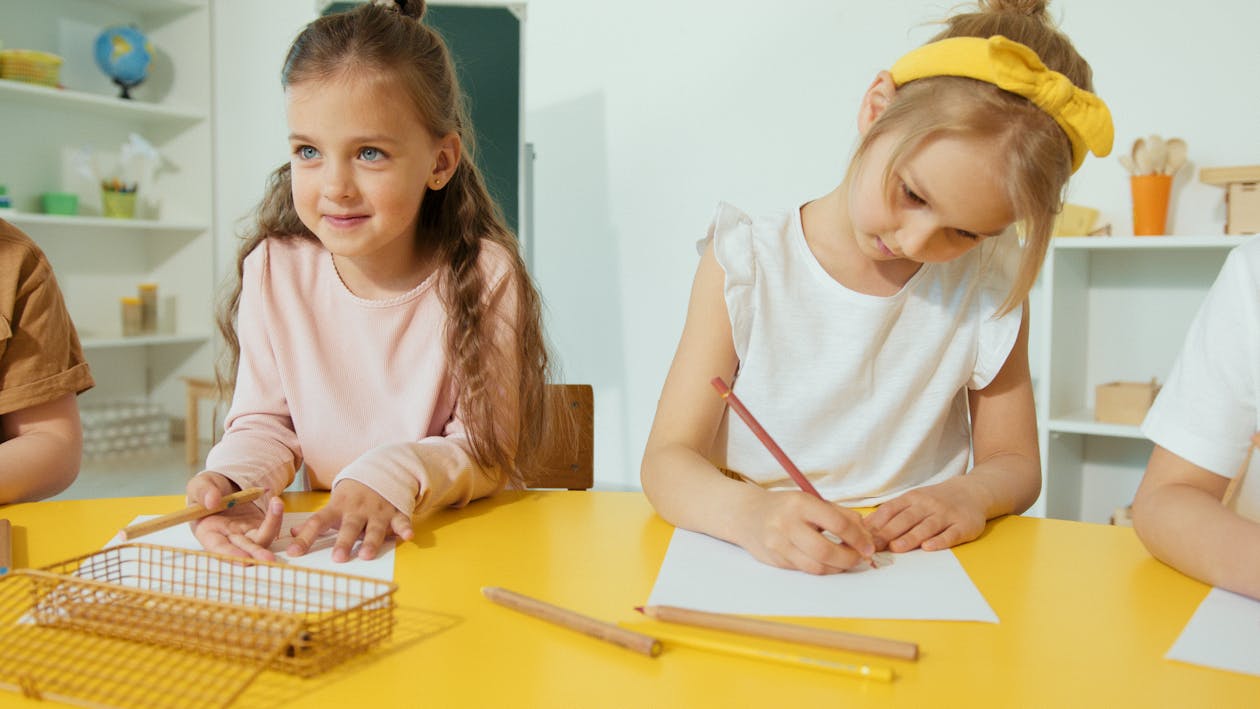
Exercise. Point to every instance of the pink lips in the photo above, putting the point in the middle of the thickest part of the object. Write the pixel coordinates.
(884, 247)
(344, 221)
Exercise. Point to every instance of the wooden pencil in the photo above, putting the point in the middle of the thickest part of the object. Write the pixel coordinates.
(574, 621)
(835, 639)
(190, 513)
(738, 406)
(6, 546)
(882, 673)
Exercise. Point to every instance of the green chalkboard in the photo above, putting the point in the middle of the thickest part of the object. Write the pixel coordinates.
(486, 45)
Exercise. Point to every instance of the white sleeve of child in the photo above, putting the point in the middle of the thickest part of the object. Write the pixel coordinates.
(1207, 410)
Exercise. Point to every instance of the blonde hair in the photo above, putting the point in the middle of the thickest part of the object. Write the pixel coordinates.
(1038, 152)
(455, 222)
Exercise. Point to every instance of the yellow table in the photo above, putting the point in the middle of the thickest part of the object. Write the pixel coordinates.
(1086, 617)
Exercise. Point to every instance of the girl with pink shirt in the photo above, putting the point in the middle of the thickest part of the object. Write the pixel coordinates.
(384, 333)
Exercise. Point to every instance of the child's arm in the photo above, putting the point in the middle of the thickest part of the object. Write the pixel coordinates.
(779, 528)
(1179, 516)
(1006, 478)
(42, 449)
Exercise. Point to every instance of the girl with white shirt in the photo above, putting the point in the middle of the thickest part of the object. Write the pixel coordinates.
(879, 332)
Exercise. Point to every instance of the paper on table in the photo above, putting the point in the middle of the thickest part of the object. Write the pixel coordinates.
(319, 557)
(708, 574)
(1223, 633)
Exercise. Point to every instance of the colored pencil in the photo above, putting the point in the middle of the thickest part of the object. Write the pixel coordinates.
(190, 513)
(6, 546)
(574, 621)
(835, 639)
(799, 478)
(883, 673)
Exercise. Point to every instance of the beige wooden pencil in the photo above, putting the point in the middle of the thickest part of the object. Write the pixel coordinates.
(784, 631)
(574, 621)
(190, 513)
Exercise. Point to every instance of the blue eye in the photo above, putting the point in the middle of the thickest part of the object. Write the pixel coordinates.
(371, 154)
(306, 152)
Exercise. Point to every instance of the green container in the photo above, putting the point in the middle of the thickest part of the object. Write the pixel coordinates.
(60, 203)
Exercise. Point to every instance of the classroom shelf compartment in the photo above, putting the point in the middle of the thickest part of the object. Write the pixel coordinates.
(1108, 309)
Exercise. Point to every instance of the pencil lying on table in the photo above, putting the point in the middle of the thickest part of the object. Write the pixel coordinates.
(882, 673)
(851, 642)
(574, 621)
(190, 513)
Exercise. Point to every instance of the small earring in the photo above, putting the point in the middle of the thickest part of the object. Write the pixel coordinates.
(437, 182)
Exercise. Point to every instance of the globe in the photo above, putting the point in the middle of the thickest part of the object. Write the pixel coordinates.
(124, 53)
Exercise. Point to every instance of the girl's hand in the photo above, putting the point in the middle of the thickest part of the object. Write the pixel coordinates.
(355, 511)
(242, 530)
(785, 529)
(932, 518)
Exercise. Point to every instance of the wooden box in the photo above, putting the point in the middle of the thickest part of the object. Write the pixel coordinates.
(1242, 196)
(1124, 402)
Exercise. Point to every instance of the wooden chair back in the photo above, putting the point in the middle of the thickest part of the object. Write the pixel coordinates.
(568, 461)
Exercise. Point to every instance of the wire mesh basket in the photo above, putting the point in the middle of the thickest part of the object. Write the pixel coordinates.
(144, 625)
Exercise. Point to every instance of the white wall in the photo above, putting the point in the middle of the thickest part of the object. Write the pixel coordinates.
(645, 114)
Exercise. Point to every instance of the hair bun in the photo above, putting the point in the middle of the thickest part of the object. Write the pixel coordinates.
(1032, 8)
(412, 8)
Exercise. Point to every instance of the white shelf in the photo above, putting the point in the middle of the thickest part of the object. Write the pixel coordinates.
(157, 5)
(1083, 422)
(96, 223)
(100, 343)
(1147, 242)
(96, 104)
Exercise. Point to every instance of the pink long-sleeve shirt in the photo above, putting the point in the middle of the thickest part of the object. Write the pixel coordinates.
(356, 389)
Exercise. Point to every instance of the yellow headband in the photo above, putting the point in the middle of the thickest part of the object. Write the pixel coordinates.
(1013, 67)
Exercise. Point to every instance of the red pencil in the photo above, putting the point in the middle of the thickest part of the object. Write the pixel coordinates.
(801, 481)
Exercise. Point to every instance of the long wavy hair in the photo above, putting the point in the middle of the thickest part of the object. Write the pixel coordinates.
(1038, 153)
(455, 222)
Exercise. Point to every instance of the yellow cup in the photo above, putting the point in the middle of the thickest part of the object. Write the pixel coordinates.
(1150, 203)
(118, 204)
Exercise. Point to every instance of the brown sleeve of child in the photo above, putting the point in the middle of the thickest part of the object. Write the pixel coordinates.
(40, 355)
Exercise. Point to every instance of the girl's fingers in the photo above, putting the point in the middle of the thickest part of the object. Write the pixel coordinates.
(250, 547)
(373, 537)
(267, 532)
(401, 524)
(921, 532)
(305, 535)
(949, 537)
(350, 531)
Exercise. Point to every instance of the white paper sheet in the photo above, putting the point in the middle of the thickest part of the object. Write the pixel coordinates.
(1223, 633)
(708, 574)
(319, 557)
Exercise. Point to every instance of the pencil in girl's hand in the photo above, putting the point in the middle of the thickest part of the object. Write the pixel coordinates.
(790, 632)
(799, 478)
(190, 513)
(573, 620)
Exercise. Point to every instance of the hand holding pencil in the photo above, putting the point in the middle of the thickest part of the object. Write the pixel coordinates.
(791, 528)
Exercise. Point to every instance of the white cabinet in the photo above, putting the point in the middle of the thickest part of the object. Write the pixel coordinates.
(1107, 309)
(97, 259)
